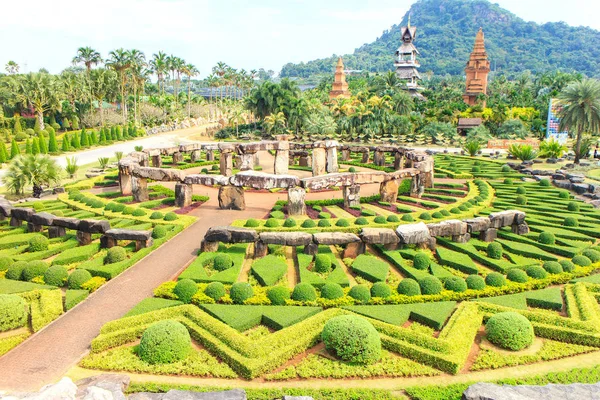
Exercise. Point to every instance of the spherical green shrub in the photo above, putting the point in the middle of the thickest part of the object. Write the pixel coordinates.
(58, 213)
(547, 238)
(409, 287)
(380, 219)
(380, 289)
(308, 223)
(324, 215)
(304, 291)
(494, 250)
(351, 169)
(289, 223)
(582, 261)
(508, 181)
(222, 261)
(156, 215)
(475, 169)
(278, 295)
(352, 339)
(159, 231)
(214, 167)
(331, 291)
(536, 272)
(138, 212)
(317, 208)
(252, 223)
(573, 206)
(215, 290)
(118, 207)
(437, 215)
(392, 218)
(430, 285)
(115, 254)
(505, 168)
(567, 265)
(570, 221)
(463, 207)
(360, 293)
(521, 190)
(185, 289)
(593, 255)
(324, 223)
(13, 312)
(421, 261)
(78, 278)
(5, 262)
(170, 216)
(240, 292)
(509, 330)
(517, 275)
(407, 218)
(455, 210)
(56, 275)
(545, 182)
(33, 269)
(495, 279)
(445, 213)
(39, 206)
(521, 200)
(38, 243)
(552, 267)
(165, 342)
(277, 215)
(425, 216)
(128, 210)
(564, 194)
(455, 284)
(15, 271)
(272, 223)
(475, 282)
(361, 221)
(322, 263)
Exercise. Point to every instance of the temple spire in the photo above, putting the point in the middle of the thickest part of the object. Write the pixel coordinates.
(477, 70)
(340, 86)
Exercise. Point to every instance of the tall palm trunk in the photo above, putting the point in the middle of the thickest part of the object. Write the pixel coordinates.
(578, 146)
(189, 96)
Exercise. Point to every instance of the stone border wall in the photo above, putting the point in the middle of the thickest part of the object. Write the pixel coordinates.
(420, 234)
(135, 170)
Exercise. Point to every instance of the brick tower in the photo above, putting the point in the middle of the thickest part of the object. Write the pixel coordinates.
(340, 86)
(477, 70)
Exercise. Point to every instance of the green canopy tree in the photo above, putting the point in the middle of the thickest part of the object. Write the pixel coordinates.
(35, 147)
(52, 144)
(84, 141)
(28, 147)
(42, 143)
(14, 149)
(65, 143)
(35, 170)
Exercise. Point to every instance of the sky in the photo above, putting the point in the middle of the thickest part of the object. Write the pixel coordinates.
(244, 34)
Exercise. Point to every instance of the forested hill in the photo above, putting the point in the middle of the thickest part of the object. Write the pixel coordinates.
(446, 32)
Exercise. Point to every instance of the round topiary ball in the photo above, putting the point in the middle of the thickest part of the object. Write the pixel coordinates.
(495, 279)
(393, 218)
(581, 260)
(352, 339)
(545, 182)
(331, 291)
(361, 221)
(409, 287)
(170, 216)
(185, 289)
(240, 292)
(38, 243)
(115, 254)
(304, 292)
(5, 262)
(455, 284)
(536, 272)
(430, 285)
(165, 342)
(573, 206)
(455, 210)
(475, 169)
(475, 282)
(494, 250)
(407, 218)
(308, 223)
(322, 263)
(381, 289)
(517, 275)
(508, 181)
(521, 190)
(33, 269)
(509, 330)
(505, 168)
(521, 200)
(215, 290)
(360, 293)
(564, 194)
(289, 223)
(222, 261)
(13, 312)
(56, 275)
(138, 212)
(159, 231)
(593, 255)
(15, 271)
(552, 267)
(252, 223)
(272, 223)
(380, 219)
(546, 238)
(78, 278)
(324, 223)
(128, 210)
(567, 265)
(421, 261)
(278, 295)
(570, 221)
(425, 216)
(156, 215)
(351, 169)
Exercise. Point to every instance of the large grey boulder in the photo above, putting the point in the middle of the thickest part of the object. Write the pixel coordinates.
(160, 174)
(102, 386)
(335, 238)
(478, 224)
(234, 394)
(489, 391)
(231, 198)
(93, 226)
(286, 238)
(379, 236)
(413, 233)
(506, 218)
(5, 207)
(242, 235)
(260, 180)
(128, 234)
(42, 218)
(449, 227)
(218, 234)
(22, 213)
(66, 222)
(206, 180)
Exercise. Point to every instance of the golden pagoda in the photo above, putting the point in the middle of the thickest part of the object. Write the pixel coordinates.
(477, 70)
(340, 86)
(406, 61)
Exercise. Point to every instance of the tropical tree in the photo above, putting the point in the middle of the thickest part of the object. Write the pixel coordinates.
(120, 62)
(551, 148)
(71, 167)
(35, 170)
(104, 85)
(275, 123)
(38, 90)
(580, 111)
(88, 57)
(189, 70)
(12, 67)
(138, 74)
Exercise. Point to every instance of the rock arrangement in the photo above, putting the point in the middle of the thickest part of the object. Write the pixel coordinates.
(57, 226)
(135, 170)
(186, 123)
(420, 234)
(489, 391)
(113, 386)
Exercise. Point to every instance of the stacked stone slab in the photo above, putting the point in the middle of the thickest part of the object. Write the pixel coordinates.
(111, 237)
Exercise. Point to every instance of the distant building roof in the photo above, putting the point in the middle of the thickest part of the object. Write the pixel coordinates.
(469, 122)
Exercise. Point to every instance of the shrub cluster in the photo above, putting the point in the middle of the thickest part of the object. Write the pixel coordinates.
(509, 330)
(215, 290)
(240, 292)
(13, 312)
(185, 289)
(278, 295)
(38, 243)
(304, 292)
(165, 342)
(222, 261)
(322, 263)
(352, 339)
(115, 254)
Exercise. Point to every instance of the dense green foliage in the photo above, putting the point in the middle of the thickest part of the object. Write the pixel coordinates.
(165, 342)
(352, 339)
(185, 289)
(509, 330)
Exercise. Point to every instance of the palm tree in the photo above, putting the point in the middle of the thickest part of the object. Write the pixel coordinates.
(36, 170)
(87, 56)
(159, 67)
(119, 61)
(138, 64)
(275, 123)
(581, 110)
(104, 86)
(12, 67)
(189, 70)
(40, 91)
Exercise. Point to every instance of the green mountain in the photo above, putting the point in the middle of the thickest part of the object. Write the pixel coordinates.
(445, 35)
